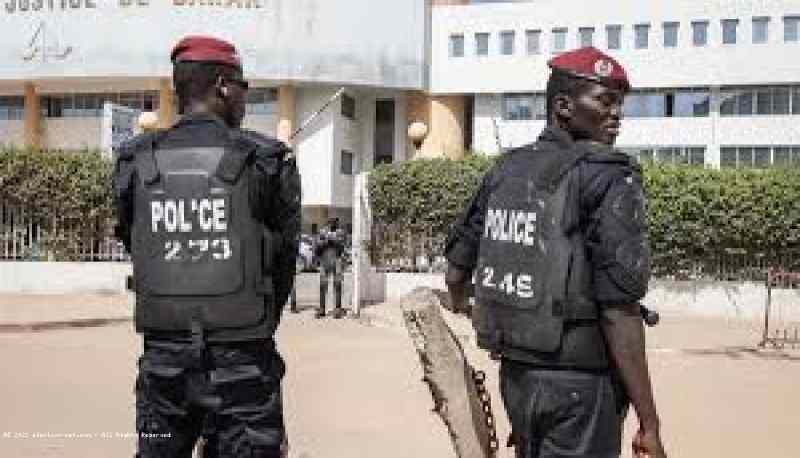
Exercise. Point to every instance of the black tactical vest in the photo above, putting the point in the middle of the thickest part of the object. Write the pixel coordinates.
(532, 282)
(197, 250)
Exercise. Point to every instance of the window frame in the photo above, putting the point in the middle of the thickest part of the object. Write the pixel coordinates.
(533, 36)
(559, 32)
(672, 26)
(452, 48)
(641, 41)
(617, 33)
(504, 40)
(581, 36)
(726, 37)
(482, 44)
(700, 26)
(760, 21)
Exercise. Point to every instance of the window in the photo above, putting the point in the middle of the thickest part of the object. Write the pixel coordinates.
(700, 33)
(522, 107)
(690, 103)
(533, 39)
(507, 43)
(12, 107)
(744, 158)
(791, 28)
(668, 103)
(457, 45)
(670, 34)
(261, 101)
(795, 102)
(642, 32)
(760, 100)
(760, 30)
(729, 28)
(645, 105)
(586, 36)
(347, 163)
(146, 101)
(692, 155)
(781, 100)
(348, 106)
(559, 40)
(482, 44)
(782, 156)
(762, 156)
(727, 157)
(759, 156)
(51, 106)
(613, 36)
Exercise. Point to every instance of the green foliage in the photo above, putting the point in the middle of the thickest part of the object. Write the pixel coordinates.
(702, 222)
(67, 195)
(417, 201)
(701, 218)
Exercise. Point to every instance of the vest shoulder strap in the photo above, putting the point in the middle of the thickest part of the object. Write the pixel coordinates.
(141, 150)
(235, 158)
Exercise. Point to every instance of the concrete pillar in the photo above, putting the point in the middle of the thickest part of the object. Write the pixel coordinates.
(33, 117)
(286, 112)
(445, 117)
(166, 106)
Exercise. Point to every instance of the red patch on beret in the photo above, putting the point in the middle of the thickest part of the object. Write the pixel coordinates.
(200, 48)
(590, 63)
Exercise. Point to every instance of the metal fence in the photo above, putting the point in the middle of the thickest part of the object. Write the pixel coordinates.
(23, 238)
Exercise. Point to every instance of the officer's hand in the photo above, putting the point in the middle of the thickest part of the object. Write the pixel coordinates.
(647, 444)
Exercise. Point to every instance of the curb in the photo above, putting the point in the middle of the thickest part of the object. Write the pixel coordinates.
(57, 325)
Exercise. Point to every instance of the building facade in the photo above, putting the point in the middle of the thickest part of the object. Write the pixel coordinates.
(715, 82)
(64, 59)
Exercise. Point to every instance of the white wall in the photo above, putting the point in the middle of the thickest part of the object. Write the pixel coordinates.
(12, 132)
(315, 145)
(356, 41)
(685, 65)
(72, 133)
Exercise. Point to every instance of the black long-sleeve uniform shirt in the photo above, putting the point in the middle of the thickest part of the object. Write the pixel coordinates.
(604, 185)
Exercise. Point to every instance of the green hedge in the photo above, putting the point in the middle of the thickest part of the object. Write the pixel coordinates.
(703, 222)
(67, 195)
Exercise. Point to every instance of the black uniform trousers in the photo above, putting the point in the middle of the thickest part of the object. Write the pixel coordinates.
(229, 393)
(558, 413)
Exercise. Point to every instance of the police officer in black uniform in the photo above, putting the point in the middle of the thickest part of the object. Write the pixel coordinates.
(210, 215)
(329, 248)
(557, 240)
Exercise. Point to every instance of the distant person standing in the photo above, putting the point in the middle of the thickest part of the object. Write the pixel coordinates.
(329, 249)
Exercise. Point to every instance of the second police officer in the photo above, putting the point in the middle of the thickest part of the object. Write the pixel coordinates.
(557, 240)
(329, 248)
(210, 214)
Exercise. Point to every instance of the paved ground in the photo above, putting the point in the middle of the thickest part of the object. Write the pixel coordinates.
(354, 390)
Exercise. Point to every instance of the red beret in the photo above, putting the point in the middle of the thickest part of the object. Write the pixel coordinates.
(589, 63)
(200, 48)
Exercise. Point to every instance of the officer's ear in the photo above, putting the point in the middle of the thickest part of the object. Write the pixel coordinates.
(564, 106)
